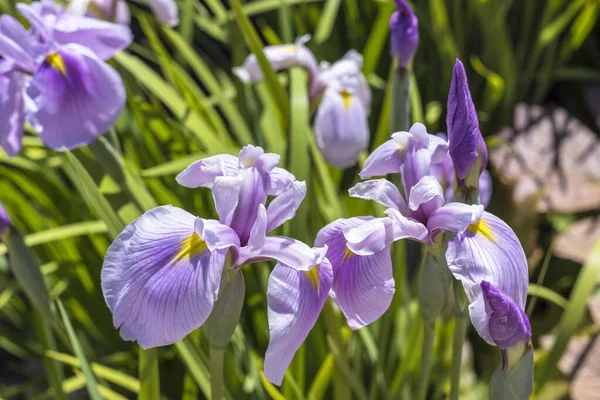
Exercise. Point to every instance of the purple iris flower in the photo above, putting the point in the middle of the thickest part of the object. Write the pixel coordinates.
(5, 222)
(444, 173)
(340, 125)
(161, 275)
(404, 27)
(54, 76)
(481, 248)
(467, 147)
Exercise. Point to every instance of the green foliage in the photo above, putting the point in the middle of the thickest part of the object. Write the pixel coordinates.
(184, 104)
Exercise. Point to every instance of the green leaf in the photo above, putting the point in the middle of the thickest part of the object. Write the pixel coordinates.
(196, 367)
(90, 379)
(547, 294)
(111, 375)
(61, 233)
(327, 20)
(91, 193)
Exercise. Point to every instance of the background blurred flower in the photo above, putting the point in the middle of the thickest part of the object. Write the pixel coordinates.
(63, 89)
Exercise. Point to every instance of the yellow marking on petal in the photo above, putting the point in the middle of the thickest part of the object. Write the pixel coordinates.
(347, 254)
(190, 248)
(290, 49)
(346, 98)
(483, 228)
(56, 61)
(313, 276)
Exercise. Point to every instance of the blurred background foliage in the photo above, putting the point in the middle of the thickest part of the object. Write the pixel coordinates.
(184, 104)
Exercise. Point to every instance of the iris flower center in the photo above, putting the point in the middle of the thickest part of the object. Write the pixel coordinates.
(56, 61)
(190, 248)
(483, 228)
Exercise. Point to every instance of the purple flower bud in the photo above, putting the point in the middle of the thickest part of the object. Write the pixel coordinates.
(5, 222)
(508, 323)
(466, 142)
(404, 27)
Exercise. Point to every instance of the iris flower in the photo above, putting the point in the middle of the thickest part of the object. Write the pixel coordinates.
(340, 125)
(483, 252)
(161, 275)
(54, 77)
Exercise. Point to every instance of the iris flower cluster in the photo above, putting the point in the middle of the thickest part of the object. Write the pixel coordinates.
(161, 276)
(55, 76)
(340, 124)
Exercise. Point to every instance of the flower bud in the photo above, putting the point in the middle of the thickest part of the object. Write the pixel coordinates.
(404, 28)
(467, 147)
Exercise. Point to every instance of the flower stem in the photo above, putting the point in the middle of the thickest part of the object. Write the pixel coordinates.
(217, 357)
(426, 357)
(401, 100)
(458, 340)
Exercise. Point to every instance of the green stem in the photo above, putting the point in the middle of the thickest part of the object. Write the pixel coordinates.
(460, 330)
(342, 389)
(217, 357)
(426, 357)
(401, 120)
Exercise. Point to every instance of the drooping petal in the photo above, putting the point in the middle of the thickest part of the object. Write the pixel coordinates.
(159, 279)
(341, 128)
(363, 286)
(165, 10)
(281, 57)
(375, 235)
(466, 142)
(283, 207)
(12, 113)
(488, 250)
(80, 97)
(295, 300)
(385, 159)
(383, 192)
(289, 251)
(428, 189)
(508, 323)
(281, 179)
(202, 173)
(103, 38)
(453, 217)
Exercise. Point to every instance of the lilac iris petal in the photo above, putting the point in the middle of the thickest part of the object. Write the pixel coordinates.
(377, 234)
(385, 159)
(381, 191)
(453, 217)
(203, 173)
(289, 251)
(466, 142)
(159, 279)
(216, 235)
(347, 73)
(283, 207)
(404, 28)
(428, 189)
(485, 187)
(101, 9)
(363, 286)
(488, 250)
(281, 180)
(341, 127)
(75, 86)
(16, 44)
(12, 113)
(31, 12)
(295, 300)
(508, 323)
(226, 192)
(281, 57)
